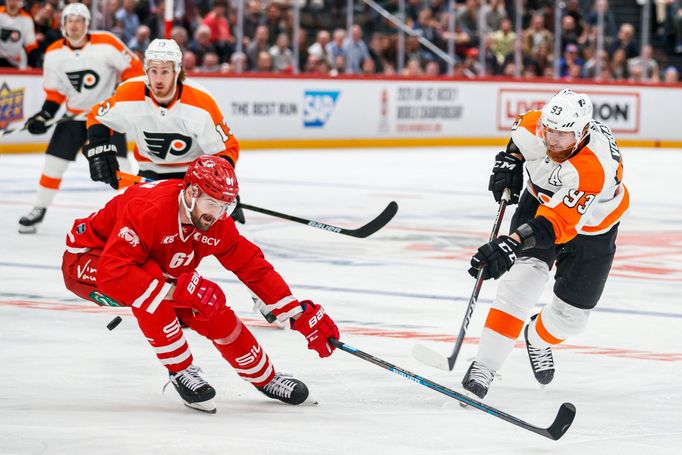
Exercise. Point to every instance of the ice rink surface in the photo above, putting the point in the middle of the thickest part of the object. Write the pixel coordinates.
(69, 386)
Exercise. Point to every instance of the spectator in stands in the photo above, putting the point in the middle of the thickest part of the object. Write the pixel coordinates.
(368, 68)
(339, 65)
(467, 19)
(258, 44)
(472, 64)
(597, 63)
(179, 34)
(494, 14)
(569, 32)
(619, 65)
(335, 48)
(319, 47)
(432, 69)
(543, 58)
(253, 17)
(671, 75)
(625, 41)
(221, 35)
(141, 39)
(356, 50)
(312, 63)
(238, 62)
(378, 45)
(282, 56)
(263, 62)
(652, 72)
(572, 8)
(323, 68)
(536, 35)
(274, 20)
(202, 44)
(413, 68)
(155, 20)
(189, 61)
(128, 19)
(571, 57)
(426, 28)
(46, 22)
(210, 63)
(610, 26)
(503, 41)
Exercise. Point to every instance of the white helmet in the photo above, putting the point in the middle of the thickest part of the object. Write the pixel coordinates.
(75, 9)
(163, 50)
(568, 111)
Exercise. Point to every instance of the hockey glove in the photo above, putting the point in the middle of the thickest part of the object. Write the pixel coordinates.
(103, 163)
(495, 257)
(317, 327)
(507, 173)
(38, 123)
(200, 294)
(238, 214)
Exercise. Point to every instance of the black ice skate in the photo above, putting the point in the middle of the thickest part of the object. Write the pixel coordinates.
(541, 360)
(285, 388)
(29, 224)
(194, 391)
(477, 379)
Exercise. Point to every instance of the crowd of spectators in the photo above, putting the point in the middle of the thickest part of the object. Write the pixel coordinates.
(206, 32)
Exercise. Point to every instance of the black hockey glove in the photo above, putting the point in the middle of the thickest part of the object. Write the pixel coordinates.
(38, 123)
(507, 173)
(495, 257)
(238, 214)
(103, 163)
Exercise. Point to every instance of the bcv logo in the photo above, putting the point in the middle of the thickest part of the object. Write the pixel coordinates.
(318, 107)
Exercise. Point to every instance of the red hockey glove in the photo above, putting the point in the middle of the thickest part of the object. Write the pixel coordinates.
(317, 327)
(200, 294)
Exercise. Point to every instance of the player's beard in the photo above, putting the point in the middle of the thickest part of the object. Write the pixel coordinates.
(162, 94)
(202, 222)
(559, 156)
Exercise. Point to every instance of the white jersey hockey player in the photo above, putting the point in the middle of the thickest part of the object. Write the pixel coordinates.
(567, 217)
(79, 71)
(18, 46)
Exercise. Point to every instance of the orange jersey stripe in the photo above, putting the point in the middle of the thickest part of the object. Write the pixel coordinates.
(504, 323)
(130, 91)
(52, 95)
(566, 216)
(49, 182)
(544, 333)
(529, 120)
(613, 216)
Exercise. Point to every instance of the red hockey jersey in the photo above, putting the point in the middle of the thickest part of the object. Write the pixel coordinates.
(143, 224)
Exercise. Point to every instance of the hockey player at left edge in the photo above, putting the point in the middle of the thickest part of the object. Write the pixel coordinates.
(142, 251)
(81, 69)
(173, 118)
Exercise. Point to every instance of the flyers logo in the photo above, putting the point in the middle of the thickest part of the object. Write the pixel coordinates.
(9, 34)
(160, 144)
(83, 79)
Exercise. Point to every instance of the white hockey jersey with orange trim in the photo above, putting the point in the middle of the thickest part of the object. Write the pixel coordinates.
(84, 77)
(17, 37)
(167, 138)
(584, 194)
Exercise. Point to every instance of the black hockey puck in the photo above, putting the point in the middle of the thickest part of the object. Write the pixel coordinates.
(114, 323)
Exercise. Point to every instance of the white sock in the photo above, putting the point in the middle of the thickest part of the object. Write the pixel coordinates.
(53, 168)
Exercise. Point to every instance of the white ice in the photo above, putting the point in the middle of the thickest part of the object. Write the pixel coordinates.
(69, 386)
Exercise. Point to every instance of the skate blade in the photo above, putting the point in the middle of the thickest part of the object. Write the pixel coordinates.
(27, 229)
(207, 406)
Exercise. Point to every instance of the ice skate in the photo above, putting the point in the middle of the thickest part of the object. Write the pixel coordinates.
(195, 392)
(477, 380)
(285, 388)
(541, 359)
(29, 224)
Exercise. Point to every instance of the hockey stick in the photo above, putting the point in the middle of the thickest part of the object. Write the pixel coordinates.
(52, 122)
(556, 430)
(430, 357)
(368, 229)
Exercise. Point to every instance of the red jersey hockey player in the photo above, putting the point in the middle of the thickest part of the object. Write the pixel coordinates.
(80, 70)
(141, 250)
(568, 216)
(18, 46)
(174, 119)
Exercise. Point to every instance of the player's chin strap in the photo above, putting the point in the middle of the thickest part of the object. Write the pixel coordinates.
(188, 211)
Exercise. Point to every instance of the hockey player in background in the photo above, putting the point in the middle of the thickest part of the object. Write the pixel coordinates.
(80, 70)
(174, 119)
(142, 250)
(18, 46)
(567, 217)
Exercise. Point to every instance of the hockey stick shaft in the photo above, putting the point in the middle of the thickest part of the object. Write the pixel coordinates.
(368, 229)
(555, 431)
(52, 122)
(506, 196)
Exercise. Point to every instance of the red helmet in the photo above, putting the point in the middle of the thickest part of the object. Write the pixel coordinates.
(215, 176)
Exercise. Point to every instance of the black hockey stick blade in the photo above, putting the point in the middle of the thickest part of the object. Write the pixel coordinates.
(368, 229)
(556, 430)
